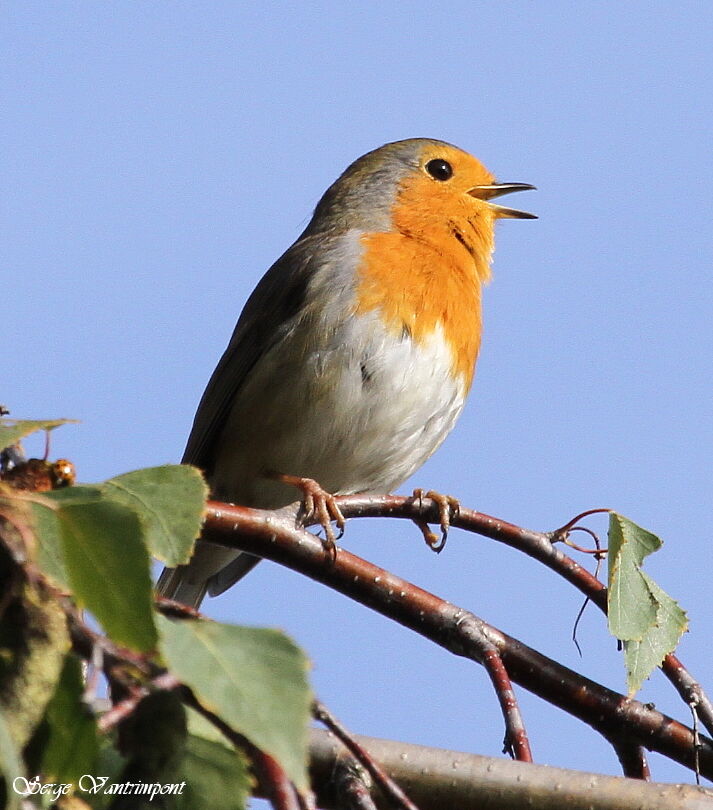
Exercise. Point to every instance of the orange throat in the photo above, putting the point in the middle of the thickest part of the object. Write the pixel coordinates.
(422, 283)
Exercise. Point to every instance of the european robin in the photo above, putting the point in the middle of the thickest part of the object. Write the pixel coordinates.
(352, 358)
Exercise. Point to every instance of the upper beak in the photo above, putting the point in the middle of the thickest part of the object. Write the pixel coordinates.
(487, 193)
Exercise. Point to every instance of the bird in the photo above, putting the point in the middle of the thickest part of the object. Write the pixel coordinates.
(352, 358)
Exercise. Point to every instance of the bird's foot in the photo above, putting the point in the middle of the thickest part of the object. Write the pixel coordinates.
(319, 505)
(448, 509)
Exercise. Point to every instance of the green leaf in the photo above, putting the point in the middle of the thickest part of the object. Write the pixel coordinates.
(170, 502)
(167, 502)
(642, 657)
(10, 766)
(226, 769)
(153, 743)
(71, 747)
(12, 430)
(641, 614)
(211, 769)
(105, 562)
(153, 737)
(110, 764)
(48, 539)
(254, 679)
(632, 607)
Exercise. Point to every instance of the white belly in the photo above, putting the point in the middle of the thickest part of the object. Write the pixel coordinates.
(358, 413)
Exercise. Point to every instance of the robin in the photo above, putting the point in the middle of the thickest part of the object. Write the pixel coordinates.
(352, 358)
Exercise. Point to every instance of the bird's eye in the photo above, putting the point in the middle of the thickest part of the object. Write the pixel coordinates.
(439, 169)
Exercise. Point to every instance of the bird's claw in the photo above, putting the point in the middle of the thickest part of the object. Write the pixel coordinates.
(319, 505)
(448, 509)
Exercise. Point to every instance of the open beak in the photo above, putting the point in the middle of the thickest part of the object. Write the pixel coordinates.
(487, 193)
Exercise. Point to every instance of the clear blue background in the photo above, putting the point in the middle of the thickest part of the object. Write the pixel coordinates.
(159, 156)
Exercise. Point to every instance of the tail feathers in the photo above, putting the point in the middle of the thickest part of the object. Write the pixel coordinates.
(188, 583)
(233, 572)
(177, 584)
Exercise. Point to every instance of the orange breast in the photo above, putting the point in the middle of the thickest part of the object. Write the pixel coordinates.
(418, 286)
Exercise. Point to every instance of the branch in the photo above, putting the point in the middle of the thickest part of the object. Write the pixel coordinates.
(632, 759)
(352, 785)
(516, 741)
(124, 708)
(437, 779)
(274, 536)
(394, 794)
(272, 779)
(273, 782)
(537, 545)
(281, 792)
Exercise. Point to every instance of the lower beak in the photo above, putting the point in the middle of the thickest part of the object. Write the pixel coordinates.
(487, 193)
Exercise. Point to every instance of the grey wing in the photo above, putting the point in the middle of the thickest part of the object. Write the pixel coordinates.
(276, 300)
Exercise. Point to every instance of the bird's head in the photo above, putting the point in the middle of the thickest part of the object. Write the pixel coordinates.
(427, 189)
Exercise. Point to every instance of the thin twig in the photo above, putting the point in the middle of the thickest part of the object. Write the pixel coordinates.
(121, 710)
(390, 789)
(580, 613)
(85, 640)
(281, 792)
(273, 781)
(598, 551)
(177, 610)
(95, 666)
(516, 741)
(632, 758)
(696, 739)
(352, 783)
(563, 530)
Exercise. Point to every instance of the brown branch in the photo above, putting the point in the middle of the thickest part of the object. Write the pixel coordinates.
(540, 547)
(273, 782)
(632, 759)
(85, 640)
(280, 791)
(438, 779)
(516, 742)
(176, 610)
(351, 784)
(121, 710)
(273, 535)
(397, 798)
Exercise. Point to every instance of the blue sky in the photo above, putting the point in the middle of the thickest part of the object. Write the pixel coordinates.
(160, 156)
